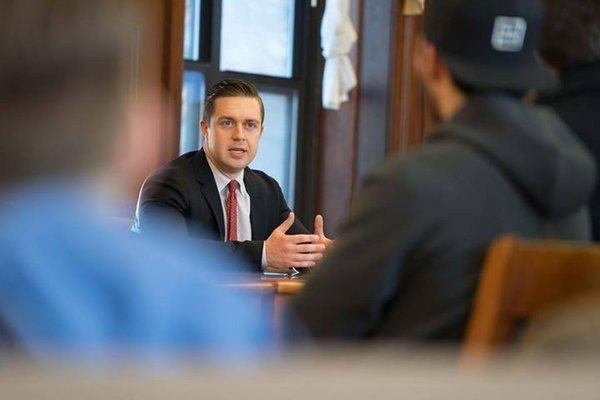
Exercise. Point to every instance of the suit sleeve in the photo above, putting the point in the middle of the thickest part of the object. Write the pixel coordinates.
(163, 207)
(297, 228)
(250, 249)
(346, 296)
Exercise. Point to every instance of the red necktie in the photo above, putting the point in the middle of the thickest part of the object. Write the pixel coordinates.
(231, 205)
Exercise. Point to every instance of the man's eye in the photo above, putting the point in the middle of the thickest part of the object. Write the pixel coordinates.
(227, 123)
(251, 125)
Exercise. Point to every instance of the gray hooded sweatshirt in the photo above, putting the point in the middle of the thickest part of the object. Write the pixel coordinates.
(409, 258)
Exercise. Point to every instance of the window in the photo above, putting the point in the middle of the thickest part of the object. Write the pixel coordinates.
(191, 38)
(270, 23)
(192, 96)
(272, 43)
(277, 154)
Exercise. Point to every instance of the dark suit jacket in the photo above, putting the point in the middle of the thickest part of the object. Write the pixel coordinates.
(578, 104)
(183, 196)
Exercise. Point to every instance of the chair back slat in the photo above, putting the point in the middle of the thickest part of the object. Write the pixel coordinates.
(521, 278)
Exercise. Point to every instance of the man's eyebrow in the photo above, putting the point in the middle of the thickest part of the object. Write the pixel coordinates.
(227, 117)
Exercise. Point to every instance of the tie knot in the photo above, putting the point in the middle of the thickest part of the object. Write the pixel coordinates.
(233, 185)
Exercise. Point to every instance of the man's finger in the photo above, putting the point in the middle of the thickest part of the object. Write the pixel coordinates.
(303, 238)
(287, 224)
(305, 264)
(307, 257)
(310, 248)
(281, 268)
(319, 225)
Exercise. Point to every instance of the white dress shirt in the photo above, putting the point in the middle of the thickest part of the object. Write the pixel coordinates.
(244, 227)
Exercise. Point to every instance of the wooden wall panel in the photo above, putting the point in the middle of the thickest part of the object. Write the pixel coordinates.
(172, 74)
(377, 64)
(386, 113)
(407, 118)
(336, 144)
(156, 67)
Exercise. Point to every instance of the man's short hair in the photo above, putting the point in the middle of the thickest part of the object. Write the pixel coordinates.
(63, 84)
(230, 88)
(570, 32)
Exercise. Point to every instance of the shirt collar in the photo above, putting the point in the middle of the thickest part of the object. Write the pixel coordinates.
(222, 179)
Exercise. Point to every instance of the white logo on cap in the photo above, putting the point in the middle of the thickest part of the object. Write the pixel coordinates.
(509, 33)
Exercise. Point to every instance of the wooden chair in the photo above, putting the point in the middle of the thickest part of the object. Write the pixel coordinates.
(521, 278)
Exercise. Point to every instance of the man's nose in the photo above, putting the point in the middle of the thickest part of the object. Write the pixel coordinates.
(238, 132)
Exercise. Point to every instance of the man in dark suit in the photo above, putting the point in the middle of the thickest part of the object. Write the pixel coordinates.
(212, 194)
(407, 262)
(570, 42)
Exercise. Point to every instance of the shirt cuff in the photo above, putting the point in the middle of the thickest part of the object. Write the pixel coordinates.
(263, 261)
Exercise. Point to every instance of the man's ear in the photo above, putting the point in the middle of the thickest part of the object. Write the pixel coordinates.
(435, 64)
(204, 128)
(424, 59)
(432, 67)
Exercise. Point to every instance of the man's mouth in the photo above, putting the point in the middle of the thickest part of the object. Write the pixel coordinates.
(237, 150)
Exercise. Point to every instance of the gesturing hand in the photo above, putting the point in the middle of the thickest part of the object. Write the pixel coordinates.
(285, 251)
(319, 232)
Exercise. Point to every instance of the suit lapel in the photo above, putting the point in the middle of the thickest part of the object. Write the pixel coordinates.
(208, 187)
(258, 217)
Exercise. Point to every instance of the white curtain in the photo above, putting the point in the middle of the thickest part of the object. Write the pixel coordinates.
(413, 7)
(337, 37)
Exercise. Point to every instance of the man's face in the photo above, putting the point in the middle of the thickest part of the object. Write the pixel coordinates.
(232, 134)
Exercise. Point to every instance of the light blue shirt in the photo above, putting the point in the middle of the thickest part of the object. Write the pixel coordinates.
(72, 285)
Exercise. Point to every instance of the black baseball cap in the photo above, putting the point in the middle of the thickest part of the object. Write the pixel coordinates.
(489, 44)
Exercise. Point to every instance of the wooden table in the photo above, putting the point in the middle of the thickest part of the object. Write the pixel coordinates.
(280, 285)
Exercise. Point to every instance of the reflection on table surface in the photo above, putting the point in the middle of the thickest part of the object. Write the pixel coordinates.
(288, 283)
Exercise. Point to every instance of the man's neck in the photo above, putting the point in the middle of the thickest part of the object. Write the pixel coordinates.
(214, 167)
(450, 102)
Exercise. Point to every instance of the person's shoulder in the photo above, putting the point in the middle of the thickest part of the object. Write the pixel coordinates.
(258, 177)
(181, 163)
(176, 169)
(259, 174)
(421, 174)
(415, 164)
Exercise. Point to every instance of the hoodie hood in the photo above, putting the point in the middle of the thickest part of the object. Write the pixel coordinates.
(531, 145)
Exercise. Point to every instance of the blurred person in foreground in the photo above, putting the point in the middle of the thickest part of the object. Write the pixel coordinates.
(212, 194)
(70, 285)
(570, 42)
(408, 260)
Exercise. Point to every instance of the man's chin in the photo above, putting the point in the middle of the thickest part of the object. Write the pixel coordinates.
(236, 166)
